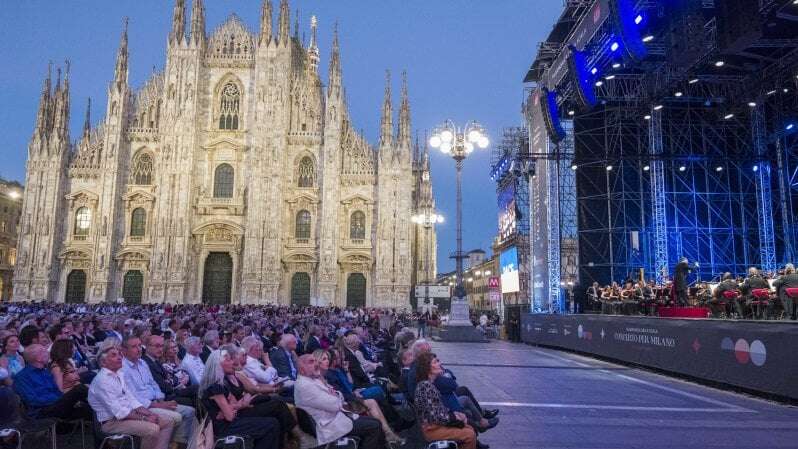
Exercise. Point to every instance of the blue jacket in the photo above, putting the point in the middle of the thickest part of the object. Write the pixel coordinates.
(445, 385)
(36, 387)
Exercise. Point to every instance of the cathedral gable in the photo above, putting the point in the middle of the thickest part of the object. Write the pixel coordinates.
(231, 45)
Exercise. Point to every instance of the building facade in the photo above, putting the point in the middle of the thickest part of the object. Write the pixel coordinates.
(10, 207)
(233, 176)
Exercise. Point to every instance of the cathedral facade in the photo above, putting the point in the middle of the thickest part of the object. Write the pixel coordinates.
(233, 176)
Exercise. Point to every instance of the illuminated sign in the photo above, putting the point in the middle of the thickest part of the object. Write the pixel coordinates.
(508, 266)
(507, 214)
(493, 282)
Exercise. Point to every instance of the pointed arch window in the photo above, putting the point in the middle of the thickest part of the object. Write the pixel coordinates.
(302, 227)
(357, 226)
(305, 172)
(142, 170)
(82, 221)
(223, 181)
(138, 222)
(229, 105)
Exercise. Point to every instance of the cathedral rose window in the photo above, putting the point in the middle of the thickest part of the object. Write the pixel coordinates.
(229, 104)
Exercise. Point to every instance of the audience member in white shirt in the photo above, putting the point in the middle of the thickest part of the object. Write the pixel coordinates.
(192, 362)
(255, 369)
(118, 410)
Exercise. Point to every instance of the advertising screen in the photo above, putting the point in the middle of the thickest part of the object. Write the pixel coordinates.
(507, 215)
(508, 265)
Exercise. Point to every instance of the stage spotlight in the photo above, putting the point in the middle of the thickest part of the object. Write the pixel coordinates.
(785, 90)
(658, 107)
(646, 168)
(639, 18)
(646, 117)
(682, 168)
(616, 65)
(614, 46)
(609, 77)
(648, 38)
(708, 102)
(594, 70)
(718, 168)
(771, 92)
(752, 104)
(678, 94)
(755, 168)
(790, 127)
(609, 168)
(693, 81)
(571, 112)
(720, 63)
(599, 83)
(728, 116)
(573, 167)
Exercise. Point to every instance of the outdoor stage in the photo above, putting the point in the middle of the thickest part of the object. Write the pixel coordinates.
(759, 356)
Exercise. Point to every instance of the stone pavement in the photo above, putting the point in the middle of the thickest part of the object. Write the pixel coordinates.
(551, 399)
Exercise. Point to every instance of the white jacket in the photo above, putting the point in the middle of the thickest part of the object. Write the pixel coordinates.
(324, 405)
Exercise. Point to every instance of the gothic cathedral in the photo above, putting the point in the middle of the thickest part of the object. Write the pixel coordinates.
(233, 176)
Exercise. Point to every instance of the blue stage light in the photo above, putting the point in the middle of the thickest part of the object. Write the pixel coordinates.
(594, 70)
(614, 46)
(756, 168)
(790, 127)
(616, 65)
(638, 19)
(577, 67)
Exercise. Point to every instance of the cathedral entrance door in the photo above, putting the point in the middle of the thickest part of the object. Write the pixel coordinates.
(132, 286)
(300, 289)
(356, 290)
(217, 283)
(76, 287)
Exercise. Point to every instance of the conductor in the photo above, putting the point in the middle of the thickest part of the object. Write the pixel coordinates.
(681, 271)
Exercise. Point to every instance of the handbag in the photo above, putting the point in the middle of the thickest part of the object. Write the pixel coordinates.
(203, 436)
(454, 422)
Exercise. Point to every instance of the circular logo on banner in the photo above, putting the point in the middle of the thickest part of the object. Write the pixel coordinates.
(755, 352)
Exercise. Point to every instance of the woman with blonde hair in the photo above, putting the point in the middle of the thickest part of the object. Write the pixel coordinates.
(227, 412)
(332, 374)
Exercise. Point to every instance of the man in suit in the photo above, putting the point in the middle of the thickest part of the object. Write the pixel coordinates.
(211, 340)
(314, 339)
(681, 271)
(594, 295)
(727, 284)
(182, 393)
(326, 406)
(788, 280)
(283, 358)
(753, 282)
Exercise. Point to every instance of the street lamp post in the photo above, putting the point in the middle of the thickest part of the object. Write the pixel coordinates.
(427, 218)
(459, 143)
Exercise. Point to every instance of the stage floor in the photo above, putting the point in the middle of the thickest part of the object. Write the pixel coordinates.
(553, 399)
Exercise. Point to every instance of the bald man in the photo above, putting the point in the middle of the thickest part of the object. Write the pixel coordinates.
(326, 406)
(37, 388)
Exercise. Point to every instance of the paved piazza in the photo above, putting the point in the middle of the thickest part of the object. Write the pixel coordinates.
(553, 399)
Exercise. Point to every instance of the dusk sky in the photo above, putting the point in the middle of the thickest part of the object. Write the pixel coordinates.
(465, 60)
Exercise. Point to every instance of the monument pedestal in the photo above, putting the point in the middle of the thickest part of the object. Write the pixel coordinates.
(459, 327)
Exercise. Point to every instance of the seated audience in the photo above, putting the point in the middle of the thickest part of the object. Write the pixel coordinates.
(118, 410)
(192, 363)
(174, 390)
(139, 379)
(227, 412)
(326, 406)
(41, 394)
(284, 359)
(437, 421)
(11, 359)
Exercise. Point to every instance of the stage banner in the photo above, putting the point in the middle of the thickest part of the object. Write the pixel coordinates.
(757, 356)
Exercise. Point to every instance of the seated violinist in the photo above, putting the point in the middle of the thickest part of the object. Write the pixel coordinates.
(629, 302)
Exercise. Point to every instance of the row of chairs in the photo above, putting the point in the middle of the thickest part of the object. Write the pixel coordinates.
(760, 302)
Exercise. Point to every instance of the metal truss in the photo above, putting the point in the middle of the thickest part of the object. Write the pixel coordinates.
(767, 245)
(657, 187)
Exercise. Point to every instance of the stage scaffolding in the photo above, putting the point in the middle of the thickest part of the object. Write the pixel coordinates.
(686, 152)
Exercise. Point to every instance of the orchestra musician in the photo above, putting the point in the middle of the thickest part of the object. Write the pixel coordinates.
(727, 284)
(610, 299)
(681, 271)
(594, 295)
(628, 300)
(644, 295)
(789, 280)
(753, 282)
(703, 294)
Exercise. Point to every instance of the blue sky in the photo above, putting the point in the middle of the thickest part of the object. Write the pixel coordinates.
(465, 60)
